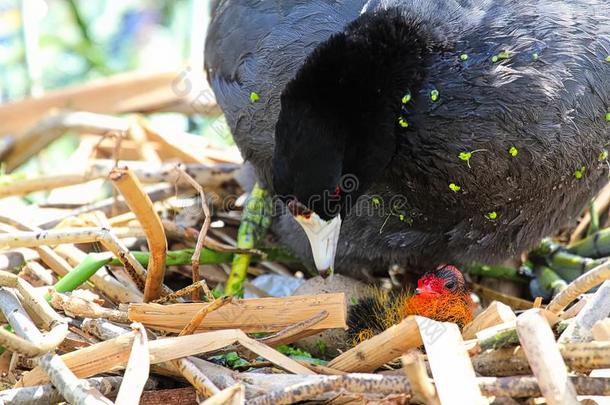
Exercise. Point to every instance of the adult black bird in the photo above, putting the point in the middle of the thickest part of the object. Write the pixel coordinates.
(429, 131)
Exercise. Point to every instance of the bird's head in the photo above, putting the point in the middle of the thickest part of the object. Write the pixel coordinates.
(339, 122)
(445, 280)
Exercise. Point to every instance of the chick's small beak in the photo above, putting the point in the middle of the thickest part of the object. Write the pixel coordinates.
(323, 237)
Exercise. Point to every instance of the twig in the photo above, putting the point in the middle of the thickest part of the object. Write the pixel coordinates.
(581, 357)
(295, 332)
(109, 206)
(351, 383)
(14, 342)
(207, 220)
(194, 323)
(58, 260)
(138, 201)
(545, 359)
(182, 292)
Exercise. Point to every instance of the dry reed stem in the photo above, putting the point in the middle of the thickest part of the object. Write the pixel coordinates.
(138, 201)
(250, 315)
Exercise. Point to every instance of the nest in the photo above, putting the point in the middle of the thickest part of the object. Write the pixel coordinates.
(119, 299)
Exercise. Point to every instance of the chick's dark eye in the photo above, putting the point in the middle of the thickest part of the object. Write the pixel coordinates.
(450, 285)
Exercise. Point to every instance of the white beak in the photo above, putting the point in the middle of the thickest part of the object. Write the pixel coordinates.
(323, 237)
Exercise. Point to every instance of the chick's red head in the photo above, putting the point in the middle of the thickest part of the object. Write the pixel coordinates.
(446, 279)
(442, 295)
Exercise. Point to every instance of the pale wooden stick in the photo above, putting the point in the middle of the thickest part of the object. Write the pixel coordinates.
(187, 367)
(575, 309)
(207, 220)
(495, 314)
(141, 205)
(138, 367)
(579, 286)
(250, 315)
(367, 356)
(538, 342)
(596, 309)
(448, 358)
(415, 369)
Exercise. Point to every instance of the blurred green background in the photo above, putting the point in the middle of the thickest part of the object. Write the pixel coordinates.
(46, 44)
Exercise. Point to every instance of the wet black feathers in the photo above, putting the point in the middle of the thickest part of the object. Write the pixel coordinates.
(545, 94)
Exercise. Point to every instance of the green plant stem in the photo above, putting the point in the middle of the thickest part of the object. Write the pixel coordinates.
(596, 245)
(549, 280)
(81, 273)
(567, 264)
(594, 224)
(182, 257)
(496, 271)
(255, 221)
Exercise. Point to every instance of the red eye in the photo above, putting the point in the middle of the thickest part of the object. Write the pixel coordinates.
(337, 191)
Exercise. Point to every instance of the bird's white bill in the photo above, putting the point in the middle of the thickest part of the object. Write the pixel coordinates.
(323, 237)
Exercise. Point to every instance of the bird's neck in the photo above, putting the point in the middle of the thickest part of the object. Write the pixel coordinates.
(342, 109)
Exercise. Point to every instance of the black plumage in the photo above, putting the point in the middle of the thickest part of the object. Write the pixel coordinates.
(502, 141)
